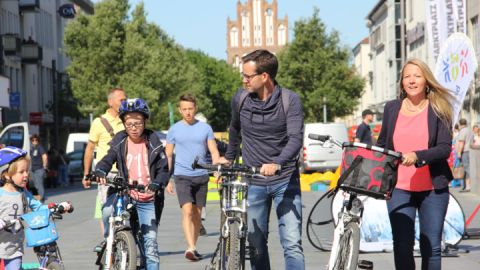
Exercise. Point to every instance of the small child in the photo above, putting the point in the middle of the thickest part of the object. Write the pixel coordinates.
(15, 200)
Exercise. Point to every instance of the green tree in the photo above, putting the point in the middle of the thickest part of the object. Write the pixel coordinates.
(220, 81)
(110, 49)
(316, 66)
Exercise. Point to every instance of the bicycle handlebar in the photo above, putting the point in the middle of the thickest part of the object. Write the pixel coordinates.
(233, 169)
(117, 182)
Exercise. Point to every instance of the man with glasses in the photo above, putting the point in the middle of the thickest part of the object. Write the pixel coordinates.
(102, 130)
(271, 138)
(190, 138)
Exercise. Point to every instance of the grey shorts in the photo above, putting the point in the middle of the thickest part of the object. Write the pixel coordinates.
(191, 189)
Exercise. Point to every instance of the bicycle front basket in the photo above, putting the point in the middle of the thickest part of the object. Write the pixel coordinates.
(369, 170)
(39, 228)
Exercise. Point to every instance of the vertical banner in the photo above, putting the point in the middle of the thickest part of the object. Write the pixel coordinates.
(443, 18)
(455, 68)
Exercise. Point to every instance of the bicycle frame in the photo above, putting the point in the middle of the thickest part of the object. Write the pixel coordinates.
(231, 248)
(234, 204)
(352, 211)
(121, 219)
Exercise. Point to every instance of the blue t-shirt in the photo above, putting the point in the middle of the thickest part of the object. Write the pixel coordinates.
(190, 141)
(36, 153)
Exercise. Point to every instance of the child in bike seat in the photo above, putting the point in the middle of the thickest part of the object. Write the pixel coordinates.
(140, 156)
(15, 201)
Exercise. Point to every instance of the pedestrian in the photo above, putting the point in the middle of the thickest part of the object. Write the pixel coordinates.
(464, 138)
(39, 166)
(190, 138)
(101, 132)
(424, 106)
(140, 156)
(271, 137)
(62, 174)
(364, 133)
(475, 159)
(15, 200)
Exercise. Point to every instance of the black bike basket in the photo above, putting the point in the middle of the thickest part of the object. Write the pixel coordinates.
(369, 170)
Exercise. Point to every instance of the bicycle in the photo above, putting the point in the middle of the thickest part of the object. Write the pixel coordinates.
(124, 235)
(230, 253)
(42, 235)
(366, 170)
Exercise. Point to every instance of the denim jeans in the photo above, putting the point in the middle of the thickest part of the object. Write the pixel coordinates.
(148, 225)
(38, 177)
(432, 208)
(286, 197)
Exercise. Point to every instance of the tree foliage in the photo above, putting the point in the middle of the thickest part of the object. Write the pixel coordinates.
(315, 66)
(220, 81)
(108, 49)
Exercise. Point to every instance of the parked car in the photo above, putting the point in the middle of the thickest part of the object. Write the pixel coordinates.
(75, 165)
(316, 157)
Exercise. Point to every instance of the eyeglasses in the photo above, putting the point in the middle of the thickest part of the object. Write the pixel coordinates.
(249, 77)
(134, 125)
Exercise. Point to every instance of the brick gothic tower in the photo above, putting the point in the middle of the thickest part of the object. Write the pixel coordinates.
(257, 27)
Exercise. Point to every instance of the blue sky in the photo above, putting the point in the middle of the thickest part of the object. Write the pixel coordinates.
(201, 24)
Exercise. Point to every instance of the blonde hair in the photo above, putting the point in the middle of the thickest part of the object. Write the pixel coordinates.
(12, 169)
(438, 96)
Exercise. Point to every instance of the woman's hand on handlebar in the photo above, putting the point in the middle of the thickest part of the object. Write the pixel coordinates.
(269, 169)
(409, 159)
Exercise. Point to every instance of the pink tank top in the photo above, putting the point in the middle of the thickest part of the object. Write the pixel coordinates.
(137, 165)
(411, 134)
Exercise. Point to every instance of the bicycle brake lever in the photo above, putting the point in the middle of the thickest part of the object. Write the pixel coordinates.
(259, 176)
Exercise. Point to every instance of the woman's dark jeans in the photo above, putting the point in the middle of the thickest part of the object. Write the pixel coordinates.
(432, 207)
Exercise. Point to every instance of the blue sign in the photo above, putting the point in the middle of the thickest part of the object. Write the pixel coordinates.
(67, 11)
(15, 100)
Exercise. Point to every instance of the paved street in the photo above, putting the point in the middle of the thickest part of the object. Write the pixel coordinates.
(79, 233)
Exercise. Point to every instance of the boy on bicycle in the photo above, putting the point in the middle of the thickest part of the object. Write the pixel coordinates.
(140, 157)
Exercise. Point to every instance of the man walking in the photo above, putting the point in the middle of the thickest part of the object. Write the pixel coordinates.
(268, 121)
(102, 130)
(364, 133)
(190, 138)
(39, 165)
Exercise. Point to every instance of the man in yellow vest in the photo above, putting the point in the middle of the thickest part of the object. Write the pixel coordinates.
(102, 130)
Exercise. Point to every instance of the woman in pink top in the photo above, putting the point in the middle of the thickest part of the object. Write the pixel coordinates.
(418, 124)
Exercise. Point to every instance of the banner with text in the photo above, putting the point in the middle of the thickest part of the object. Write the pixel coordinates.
(443, 18)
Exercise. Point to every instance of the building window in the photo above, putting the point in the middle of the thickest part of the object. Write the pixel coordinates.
(234, 37)
(282, 35)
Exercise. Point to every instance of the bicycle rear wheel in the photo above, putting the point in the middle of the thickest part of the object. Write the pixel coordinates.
(320, 223)
(348, 245)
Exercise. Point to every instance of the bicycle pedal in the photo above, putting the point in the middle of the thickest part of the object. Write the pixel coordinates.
(364, 264)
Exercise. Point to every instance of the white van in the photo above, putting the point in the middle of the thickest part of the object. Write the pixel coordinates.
(76, 141)
(16, 134)
(315, 157)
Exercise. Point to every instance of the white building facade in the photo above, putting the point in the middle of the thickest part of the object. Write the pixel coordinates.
(32, 57)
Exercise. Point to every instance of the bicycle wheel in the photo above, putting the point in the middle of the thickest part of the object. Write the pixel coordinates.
(348, 245)
(124, 253)
(320, 224)
(234, 247)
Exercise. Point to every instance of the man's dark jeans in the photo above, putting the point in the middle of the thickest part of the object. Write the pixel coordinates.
(432, 208)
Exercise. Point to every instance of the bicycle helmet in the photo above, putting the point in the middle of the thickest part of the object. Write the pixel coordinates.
(9, 154)
(134, 105)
